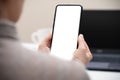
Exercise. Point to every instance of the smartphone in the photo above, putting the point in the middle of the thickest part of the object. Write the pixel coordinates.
(66, 27)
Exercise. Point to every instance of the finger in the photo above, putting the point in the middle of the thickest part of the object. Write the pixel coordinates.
(46, 42)
(81, 42)
(85, 43)
(88, 49)
(49, 37)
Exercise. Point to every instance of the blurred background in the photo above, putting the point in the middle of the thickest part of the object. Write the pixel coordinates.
(38, 14)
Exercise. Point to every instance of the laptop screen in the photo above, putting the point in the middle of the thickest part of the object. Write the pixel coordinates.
(101, 29)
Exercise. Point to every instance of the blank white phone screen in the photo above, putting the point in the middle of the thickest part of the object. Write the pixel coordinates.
(65, 33)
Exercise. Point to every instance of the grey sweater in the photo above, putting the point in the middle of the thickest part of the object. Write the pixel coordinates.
(18, 63)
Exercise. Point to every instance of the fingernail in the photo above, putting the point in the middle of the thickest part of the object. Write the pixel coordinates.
(81, 35)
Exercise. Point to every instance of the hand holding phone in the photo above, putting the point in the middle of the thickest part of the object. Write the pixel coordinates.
(81, 54)
(65, 34)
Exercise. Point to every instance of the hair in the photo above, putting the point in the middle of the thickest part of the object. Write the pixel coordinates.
(1, 7)
(0, 11)
(2, 2)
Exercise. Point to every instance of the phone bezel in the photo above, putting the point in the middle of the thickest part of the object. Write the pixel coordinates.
(55, 19)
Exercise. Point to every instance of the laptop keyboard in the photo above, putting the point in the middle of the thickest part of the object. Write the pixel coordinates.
(106, 58)
(105, 61)
(114, 66)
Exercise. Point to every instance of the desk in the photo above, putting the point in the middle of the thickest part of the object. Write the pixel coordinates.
(104, 75)
(94, 75)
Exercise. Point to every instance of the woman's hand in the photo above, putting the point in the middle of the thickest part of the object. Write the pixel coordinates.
(45, 44)
(83, 53)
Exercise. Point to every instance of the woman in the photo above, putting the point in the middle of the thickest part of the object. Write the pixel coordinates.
(18, 63)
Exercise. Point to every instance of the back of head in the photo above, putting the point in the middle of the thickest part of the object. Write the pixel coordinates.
(11, 9)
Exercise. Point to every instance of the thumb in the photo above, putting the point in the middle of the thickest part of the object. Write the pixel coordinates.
(81, 41)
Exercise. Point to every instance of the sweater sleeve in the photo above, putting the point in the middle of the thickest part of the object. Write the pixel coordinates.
(65, 70)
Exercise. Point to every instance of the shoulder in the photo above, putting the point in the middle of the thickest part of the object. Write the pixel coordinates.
(27, 64)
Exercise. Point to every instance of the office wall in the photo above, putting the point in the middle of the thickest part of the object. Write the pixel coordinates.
(39, 14)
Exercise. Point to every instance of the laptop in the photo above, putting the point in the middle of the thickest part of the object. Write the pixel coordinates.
(101, 29)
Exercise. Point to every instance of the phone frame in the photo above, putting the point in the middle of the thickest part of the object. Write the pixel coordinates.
(55, 19)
